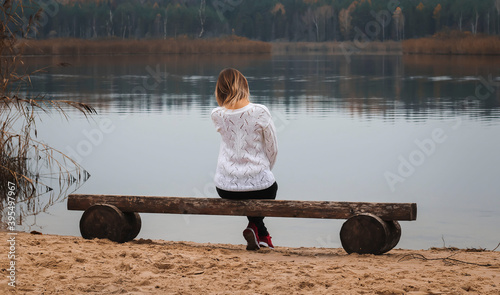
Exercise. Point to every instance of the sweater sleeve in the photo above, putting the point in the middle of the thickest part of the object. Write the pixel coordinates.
(271, 143)
(216, 119)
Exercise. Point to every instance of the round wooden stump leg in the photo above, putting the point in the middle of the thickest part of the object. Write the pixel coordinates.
(134, 225)
(104, 222)
(394, 235)
(364, 234)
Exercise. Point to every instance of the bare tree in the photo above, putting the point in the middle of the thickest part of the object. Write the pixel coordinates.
(345, 23)
(165, 24)
(157, 23)
(325, 12)
(310, 17)
(399, 23)
(278, 9)
(109, 25)
(460, 22)
(345, 19)
(202, 15)
(497, 6)
(488, 23)
(477, 18)
(93, 27)
(474, 23)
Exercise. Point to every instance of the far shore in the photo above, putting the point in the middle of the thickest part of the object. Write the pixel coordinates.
(233, 45)
(49, 264)
(230, 45)
(453, 44)
(81, 47)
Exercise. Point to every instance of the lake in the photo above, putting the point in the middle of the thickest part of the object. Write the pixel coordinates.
(376, 128)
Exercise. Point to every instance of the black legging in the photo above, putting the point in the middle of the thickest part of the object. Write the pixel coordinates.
(268, 193)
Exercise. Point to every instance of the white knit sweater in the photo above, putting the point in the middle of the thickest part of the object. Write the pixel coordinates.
(248, 150)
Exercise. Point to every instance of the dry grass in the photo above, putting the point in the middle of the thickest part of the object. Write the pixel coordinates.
(27, 165)
(77, 47)
(228, 45)
(453, 43)
(375, 47)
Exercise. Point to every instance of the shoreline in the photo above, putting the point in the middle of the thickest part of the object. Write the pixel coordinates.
(338, 48)
(65, 264)
(234, 45)
(81, 47)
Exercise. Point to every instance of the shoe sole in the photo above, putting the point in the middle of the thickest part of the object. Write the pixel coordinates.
(264, 244)
(251, 238)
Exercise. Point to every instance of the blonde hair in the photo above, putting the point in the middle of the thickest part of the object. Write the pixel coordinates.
(231, 87)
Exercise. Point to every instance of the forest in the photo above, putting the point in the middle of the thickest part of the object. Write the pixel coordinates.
(264, 20)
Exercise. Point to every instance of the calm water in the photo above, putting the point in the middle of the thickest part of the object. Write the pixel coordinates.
(418, 129)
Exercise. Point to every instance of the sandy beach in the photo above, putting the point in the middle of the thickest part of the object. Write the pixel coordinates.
(49, 264)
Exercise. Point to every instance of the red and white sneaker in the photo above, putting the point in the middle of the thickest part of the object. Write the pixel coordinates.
(251, 236)
(265, 241)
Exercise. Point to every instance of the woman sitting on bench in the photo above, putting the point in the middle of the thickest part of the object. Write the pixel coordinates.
(247, 153)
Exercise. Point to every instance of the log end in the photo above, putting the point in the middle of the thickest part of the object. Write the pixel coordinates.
(369, 234)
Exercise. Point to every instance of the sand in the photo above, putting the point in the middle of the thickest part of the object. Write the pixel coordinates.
(49, 264)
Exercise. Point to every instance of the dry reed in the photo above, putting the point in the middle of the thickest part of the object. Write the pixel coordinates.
(375, 47)
(77, 47)
(453, 43)
(25, 161)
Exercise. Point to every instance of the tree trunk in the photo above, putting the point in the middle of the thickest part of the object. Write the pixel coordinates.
(488, 22)
(202, 15)
(273, 30)
(165, 28)
(315, 22)
(475, 27)
(397, 29)
(383, 33)
(460, 22)
(403, 30)
(93, 27)
(110, 25)
(335, 19)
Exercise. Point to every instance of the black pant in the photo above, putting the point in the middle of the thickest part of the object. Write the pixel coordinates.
(268, 193)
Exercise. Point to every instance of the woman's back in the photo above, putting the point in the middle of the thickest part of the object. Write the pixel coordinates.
(248, 149)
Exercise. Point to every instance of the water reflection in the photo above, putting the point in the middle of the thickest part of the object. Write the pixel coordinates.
(414, 87)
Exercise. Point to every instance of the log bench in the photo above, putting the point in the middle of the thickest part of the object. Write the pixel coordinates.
(370, 228)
